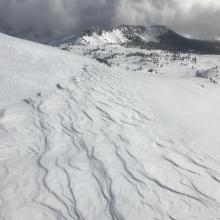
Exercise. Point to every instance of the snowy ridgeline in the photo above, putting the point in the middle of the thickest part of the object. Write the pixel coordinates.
(80, 139)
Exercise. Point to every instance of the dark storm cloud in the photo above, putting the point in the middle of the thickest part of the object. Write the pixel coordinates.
(55, 16)
(60, 17)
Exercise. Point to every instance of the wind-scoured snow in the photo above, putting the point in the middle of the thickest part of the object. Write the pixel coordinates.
(106, 142)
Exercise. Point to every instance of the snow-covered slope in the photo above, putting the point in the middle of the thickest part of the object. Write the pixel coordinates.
(107, 143)
(28, 68)
(107, 37)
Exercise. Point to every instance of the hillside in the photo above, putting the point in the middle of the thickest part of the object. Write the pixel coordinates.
(108, 132)
(28, 68)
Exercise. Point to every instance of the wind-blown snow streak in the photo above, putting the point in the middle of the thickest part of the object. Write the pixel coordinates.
(97, 150)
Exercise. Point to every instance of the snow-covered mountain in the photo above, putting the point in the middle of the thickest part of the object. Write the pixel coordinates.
(108, 132)
(123, 34)
(154, 37)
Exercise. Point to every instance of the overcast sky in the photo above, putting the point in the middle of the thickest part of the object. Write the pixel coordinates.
(198, 18)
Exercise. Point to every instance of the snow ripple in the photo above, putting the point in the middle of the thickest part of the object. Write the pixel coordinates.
(87, 153)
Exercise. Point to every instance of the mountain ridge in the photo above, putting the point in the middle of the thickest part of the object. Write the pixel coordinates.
(153, 37)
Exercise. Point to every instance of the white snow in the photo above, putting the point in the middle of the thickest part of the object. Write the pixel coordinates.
(28, 68)
(108, 37)
(113, 143)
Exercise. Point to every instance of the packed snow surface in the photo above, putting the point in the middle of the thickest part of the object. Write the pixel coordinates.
(81, 140)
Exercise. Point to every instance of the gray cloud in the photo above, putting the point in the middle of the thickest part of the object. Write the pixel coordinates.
(61, 17)
(194, 18)
(55, 17)
(199, 22)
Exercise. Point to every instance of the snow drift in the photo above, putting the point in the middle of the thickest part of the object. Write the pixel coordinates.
(108, 143)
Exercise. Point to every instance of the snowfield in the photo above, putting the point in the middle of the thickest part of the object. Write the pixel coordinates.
(82, 140)
(28, 68)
